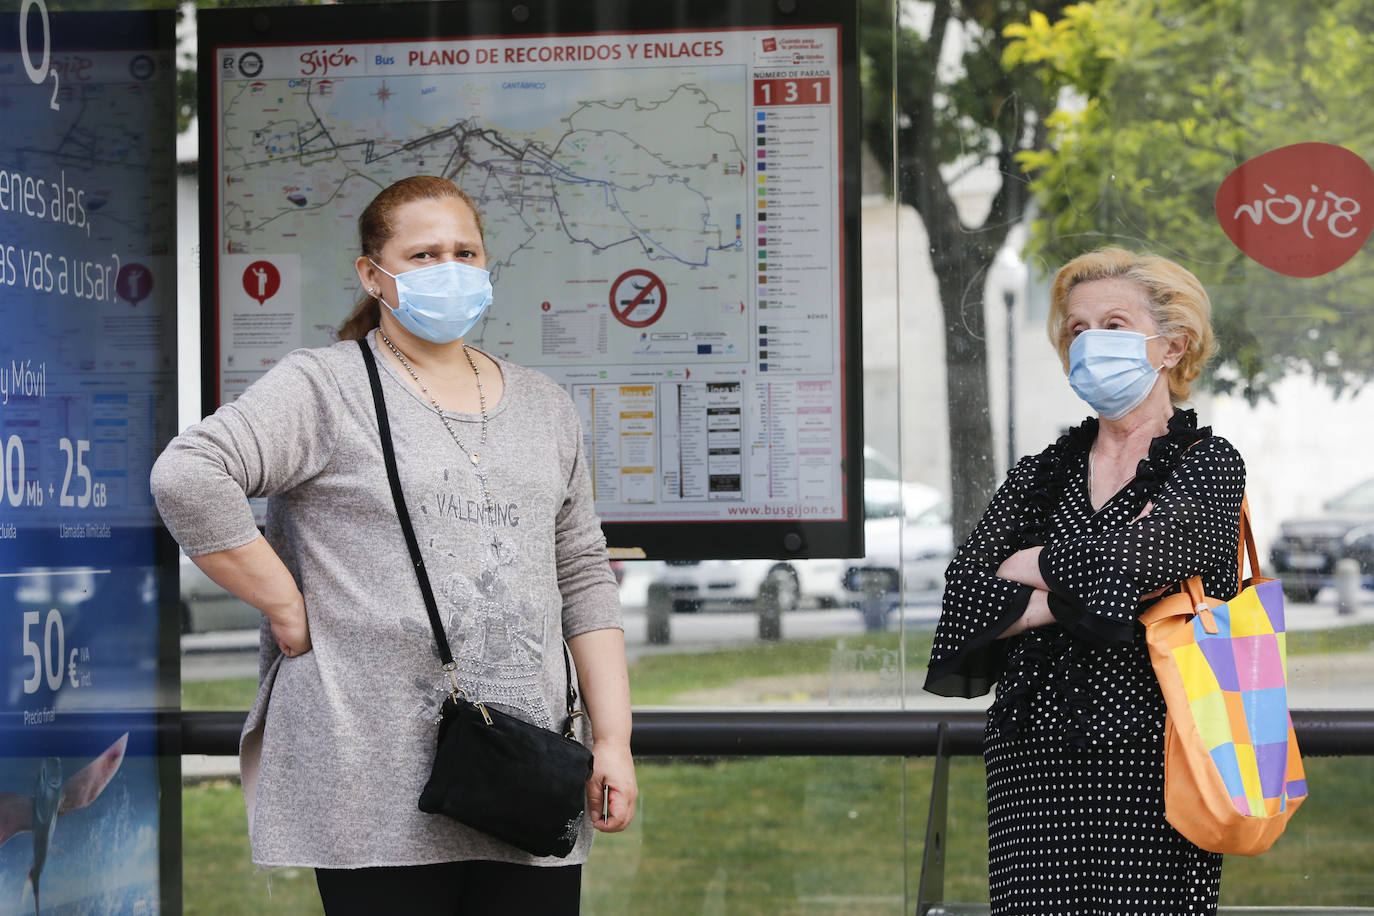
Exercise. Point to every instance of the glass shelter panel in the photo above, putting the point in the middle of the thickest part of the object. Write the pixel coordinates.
(994, 142)
(1227, 137)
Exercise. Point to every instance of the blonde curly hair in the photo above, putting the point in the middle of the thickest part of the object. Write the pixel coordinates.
(1177, 303)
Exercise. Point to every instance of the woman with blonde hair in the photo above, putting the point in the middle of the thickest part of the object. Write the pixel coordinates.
(1042, 600)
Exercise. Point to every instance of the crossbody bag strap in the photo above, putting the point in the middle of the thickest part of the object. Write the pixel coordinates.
(402, 513)
(413, 545)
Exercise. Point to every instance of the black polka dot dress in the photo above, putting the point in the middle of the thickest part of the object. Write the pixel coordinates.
(1074, 743)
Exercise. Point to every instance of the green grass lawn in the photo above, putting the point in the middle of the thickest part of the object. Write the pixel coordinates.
(1357, 638)
(806, 835)
(655, 680)
(218, 879)
(232, 693)
(756, 836)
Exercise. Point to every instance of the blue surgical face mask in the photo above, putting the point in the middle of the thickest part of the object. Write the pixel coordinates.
(439, 303)
(1111, 371)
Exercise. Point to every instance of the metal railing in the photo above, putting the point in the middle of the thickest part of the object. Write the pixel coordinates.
(727, 733)
(831, 733)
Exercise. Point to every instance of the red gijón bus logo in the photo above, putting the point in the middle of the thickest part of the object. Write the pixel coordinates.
(1300, 210)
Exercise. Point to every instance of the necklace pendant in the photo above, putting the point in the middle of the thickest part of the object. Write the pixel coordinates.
(474, 458)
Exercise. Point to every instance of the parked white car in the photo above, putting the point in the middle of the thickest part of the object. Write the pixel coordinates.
(693, 584)
(906, 555)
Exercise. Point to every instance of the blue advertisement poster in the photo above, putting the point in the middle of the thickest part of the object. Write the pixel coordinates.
(87, 397)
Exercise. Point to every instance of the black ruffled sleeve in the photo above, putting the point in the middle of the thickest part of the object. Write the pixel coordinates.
(1096, 579)
(967, 657)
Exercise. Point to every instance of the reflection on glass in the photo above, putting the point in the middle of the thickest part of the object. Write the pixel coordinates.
(86, 399)
(945, 238)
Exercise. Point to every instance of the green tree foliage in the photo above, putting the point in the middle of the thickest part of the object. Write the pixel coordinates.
(1161, 100)
(955, 111)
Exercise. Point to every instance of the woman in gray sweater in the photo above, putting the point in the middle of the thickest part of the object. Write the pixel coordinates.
(340, 739)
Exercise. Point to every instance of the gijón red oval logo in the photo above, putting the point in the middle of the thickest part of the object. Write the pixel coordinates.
(1300, 210)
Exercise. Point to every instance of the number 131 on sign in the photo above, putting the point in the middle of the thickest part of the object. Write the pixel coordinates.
(792, 92)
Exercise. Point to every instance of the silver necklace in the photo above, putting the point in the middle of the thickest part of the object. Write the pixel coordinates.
(1091, 450)
(1092, 453)
(473, 457)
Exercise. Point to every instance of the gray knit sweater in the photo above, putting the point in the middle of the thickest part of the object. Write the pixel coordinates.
(340, 740)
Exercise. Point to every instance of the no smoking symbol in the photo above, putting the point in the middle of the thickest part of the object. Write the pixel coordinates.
(638, 298)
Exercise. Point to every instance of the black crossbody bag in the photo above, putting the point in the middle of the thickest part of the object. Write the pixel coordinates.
(520, 783)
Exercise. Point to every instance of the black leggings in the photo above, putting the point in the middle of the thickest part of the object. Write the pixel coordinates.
(451, 889)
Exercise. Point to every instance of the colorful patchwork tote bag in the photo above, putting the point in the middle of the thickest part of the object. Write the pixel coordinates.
(1232, 772)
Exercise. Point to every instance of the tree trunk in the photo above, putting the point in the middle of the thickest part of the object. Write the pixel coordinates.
(972, 469)
(933, 133)
(961, 257)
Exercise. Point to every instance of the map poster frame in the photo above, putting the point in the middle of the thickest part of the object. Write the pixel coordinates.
(672, 209)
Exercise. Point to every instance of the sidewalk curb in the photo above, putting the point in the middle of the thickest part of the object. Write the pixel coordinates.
(220, 641)
(198, 769)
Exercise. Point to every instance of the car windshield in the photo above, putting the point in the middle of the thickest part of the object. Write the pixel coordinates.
(1359, 499)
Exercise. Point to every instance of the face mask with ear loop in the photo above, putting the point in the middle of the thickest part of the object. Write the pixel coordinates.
(439, 303)
(1111, 371)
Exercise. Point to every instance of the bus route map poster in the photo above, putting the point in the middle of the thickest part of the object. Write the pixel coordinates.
(671, 227)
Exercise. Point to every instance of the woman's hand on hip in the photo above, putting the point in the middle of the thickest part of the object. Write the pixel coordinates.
(612, 766)
(291, 629)
(255, 574)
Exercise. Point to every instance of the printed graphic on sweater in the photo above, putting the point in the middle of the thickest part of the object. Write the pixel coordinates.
(496, 635)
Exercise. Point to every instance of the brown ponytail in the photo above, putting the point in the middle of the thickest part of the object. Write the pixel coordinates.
(365, 316)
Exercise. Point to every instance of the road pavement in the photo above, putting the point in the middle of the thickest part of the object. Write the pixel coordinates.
(1318, 681)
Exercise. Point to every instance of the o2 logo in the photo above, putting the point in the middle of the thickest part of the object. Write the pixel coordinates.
(37, 74)
(1300, 210)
